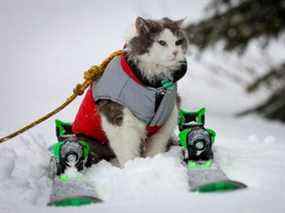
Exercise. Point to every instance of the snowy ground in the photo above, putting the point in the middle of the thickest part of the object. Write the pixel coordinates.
(45, 46)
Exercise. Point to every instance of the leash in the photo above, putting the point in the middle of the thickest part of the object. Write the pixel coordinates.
(90, 75)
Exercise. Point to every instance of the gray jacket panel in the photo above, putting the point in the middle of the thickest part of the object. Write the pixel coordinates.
(117, 86)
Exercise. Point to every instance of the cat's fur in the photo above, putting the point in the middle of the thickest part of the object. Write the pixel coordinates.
(156, 49)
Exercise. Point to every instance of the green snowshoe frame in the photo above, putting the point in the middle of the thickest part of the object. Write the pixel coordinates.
(186, 121)
(64, 129)
(185, 117)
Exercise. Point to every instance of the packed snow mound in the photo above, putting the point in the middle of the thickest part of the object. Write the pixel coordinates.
(249, 153)
(141, 176)
(23, 172)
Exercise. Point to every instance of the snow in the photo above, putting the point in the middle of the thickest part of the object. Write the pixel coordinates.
(45, 47)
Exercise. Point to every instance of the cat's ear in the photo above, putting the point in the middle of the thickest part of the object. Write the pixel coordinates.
(142, 26)
(181, 22)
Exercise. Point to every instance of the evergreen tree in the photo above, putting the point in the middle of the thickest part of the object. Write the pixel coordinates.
(237, 23)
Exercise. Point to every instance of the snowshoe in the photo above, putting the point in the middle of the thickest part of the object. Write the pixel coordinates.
(70, 156)
(204, 173)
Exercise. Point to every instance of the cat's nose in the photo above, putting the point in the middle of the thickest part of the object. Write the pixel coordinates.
(175, 53)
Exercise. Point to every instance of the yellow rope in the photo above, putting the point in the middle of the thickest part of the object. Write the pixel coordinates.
(89, 76)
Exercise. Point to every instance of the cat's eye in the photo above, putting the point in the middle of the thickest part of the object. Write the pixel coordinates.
(162, 43)
(179, 42)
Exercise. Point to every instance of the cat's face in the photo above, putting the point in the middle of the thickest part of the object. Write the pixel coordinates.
(162, 43)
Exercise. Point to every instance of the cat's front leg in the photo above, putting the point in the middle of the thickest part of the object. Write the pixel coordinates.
(123, 130)
(158, 142)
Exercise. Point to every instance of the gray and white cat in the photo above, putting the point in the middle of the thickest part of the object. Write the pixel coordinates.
(157, 49)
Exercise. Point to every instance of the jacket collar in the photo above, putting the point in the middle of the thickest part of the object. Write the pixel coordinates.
(135, 74)
(129, 70)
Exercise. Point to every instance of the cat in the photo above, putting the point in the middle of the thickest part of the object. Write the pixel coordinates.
(155, 51)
